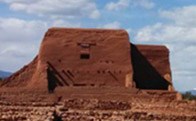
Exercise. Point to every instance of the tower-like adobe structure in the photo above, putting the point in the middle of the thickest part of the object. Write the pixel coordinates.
(94, 57)
(85, 57)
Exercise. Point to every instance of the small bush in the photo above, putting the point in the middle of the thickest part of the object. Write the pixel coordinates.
(189, 96)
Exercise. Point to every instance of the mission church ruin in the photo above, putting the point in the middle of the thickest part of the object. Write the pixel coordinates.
(95, 58)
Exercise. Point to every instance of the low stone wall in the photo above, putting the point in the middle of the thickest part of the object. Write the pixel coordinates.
(143, 106)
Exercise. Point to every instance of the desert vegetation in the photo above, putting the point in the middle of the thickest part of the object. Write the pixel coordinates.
(188, 96)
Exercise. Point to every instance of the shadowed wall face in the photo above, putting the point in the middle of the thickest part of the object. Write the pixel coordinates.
(52, 80)
(151, 67)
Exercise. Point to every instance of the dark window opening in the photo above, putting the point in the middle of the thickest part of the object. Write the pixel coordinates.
(80, 85)
(92, 85)
(84, 56)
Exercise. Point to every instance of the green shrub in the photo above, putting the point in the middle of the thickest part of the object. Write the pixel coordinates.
(189, 96)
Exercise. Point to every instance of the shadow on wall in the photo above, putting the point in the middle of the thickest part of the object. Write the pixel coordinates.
(53, 81)
(54, 78)
(144, 74)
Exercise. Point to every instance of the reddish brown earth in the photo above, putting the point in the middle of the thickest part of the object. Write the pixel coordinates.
(96, 75)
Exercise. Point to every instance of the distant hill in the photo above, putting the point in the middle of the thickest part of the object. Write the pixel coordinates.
(4, 74)
(193, 92)
(189, 95)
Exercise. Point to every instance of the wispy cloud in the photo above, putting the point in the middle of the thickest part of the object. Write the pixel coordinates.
(56, 8)
(183, 16)
(112, 25)
(19, 41)
(123, 4)
(179, 34)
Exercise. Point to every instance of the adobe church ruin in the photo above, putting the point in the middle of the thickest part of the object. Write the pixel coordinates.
(96, 58)
(96, 75)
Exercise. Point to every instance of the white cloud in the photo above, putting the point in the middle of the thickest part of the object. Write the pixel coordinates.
(179, 34)
(167, 33)
(56, 8)
(19, 41)
(62, 23)
(122, 4)
(112, 25)
(130, 31)
(118, 5)
(184, 16)
(181, 28)
(148, 4)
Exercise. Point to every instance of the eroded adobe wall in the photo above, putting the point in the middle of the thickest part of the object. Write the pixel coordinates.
(85, 57)
(94, 57)
(151, 67)
(22, 77)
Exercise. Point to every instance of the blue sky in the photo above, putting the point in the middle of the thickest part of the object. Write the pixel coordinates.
(168, 22)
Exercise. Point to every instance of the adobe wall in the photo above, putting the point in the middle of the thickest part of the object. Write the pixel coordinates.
(94, 57)
(84, 57)
(22, 77)
(151, 67)
(158, 56)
